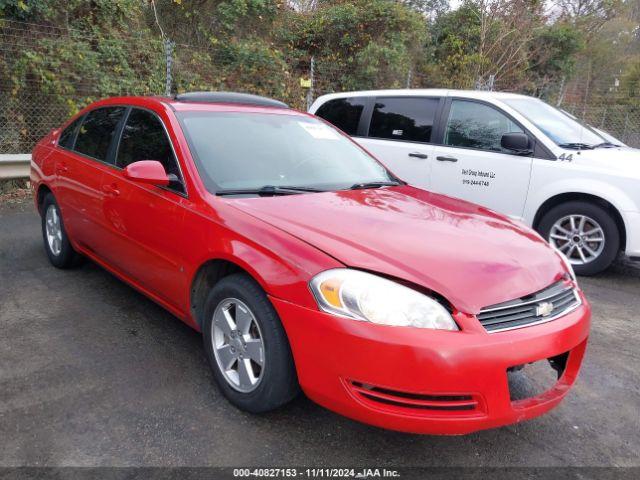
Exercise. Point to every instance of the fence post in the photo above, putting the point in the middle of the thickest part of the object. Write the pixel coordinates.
(561, 93)
(169, 47)
(604, 116)
(312, 81)
(409, 77)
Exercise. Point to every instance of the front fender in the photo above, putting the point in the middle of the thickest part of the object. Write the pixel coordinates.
(278, 261)
(609, 192)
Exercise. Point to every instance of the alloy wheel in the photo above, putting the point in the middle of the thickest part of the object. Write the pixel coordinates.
(579, 237)
(54, 230)
(238, 345)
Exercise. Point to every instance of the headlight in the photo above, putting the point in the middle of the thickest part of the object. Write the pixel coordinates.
(363, 296)
(568, 266)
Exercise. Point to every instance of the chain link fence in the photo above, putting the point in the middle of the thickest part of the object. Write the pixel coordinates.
(48, 73)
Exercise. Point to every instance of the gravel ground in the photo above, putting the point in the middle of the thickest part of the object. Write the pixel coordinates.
(94, 374)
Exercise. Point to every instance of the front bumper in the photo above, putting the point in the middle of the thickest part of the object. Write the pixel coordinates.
(335, 357)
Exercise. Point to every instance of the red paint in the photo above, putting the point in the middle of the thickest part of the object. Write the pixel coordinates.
(150, 172)
(157, 240)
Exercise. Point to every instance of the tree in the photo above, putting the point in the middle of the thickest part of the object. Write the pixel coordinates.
(588, 15)
(553, 58)
(429, 8)
(357, 44)
(485, 39)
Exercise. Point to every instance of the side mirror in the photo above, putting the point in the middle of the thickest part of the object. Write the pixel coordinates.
(147, 171)
(516, 142)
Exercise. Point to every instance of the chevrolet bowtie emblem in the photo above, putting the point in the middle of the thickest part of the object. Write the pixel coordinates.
(543, 309)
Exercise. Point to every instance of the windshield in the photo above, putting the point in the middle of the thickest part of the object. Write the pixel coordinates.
(248, 151)
(562, 129)
(608, 137)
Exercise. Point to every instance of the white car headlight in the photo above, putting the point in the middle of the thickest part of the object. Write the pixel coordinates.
(363, 296)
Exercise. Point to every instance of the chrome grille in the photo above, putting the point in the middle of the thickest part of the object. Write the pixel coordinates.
(543, 306)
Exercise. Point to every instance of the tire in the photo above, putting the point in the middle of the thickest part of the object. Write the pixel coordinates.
(276, 380)
(61, 254)
(594, 215)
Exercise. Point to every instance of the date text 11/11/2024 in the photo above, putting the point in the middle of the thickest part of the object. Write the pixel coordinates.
(316, 472)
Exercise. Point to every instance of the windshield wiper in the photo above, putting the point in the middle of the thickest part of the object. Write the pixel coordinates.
(361, 186)
(269, 190)
(577, 146)
(605, 145)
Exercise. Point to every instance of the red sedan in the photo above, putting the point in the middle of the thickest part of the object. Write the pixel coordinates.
(306, 264)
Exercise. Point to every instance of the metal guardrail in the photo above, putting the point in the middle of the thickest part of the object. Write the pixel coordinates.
(14, 166)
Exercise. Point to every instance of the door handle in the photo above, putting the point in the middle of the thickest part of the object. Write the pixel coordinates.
(446, 159)
(111, 190)
(418, 155)
(61, 168)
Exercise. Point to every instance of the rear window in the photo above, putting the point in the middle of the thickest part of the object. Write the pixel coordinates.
(344, 113)
(97, 131)
(403, 118)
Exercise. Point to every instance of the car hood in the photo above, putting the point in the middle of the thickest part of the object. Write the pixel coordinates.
(620, 160)
(470, 255)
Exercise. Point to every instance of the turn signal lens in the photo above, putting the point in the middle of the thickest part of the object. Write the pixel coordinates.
(330, 290)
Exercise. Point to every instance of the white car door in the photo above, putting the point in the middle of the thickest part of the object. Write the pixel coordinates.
(470, 163)
(399, 135)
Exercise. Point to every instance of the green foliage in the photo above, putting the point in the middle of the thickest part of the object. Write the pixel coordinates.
(70, 57)
(553, 58)
(247, 65)
(76, 51)
(454, 42)
(556, 47)
(357, 44)
(251, 14)
(88, 59)
(630, 83)
(428, 7)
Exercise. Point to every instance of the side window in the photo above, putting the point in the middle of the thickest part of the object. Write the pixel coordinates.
(97, 132)
(403, 118)
(344, 113)
(68, 135)
(475, 125)
(144, 138)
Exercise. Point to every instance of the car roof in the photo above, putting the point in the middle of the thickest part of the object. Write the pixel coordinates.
(180, 105)
(426, 92)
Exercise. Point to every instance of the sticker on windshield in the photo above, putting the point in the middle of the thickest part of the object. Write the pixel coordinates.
(318, 130)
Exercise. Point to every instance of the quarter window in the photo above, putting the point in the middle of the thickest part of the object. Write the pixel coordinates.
(97, 131)
(144, 138)
(68, 135)
(344, 113)
(403, 118)
(476, 125)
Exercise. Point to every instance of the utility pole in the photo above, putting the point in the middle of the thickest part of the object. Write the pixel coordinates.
(312, 81)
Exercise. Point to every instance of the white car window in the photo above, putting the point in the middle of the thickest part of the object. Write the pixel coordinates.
(556, 125)
(476, 125)
(344, 113)
(403, 118)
